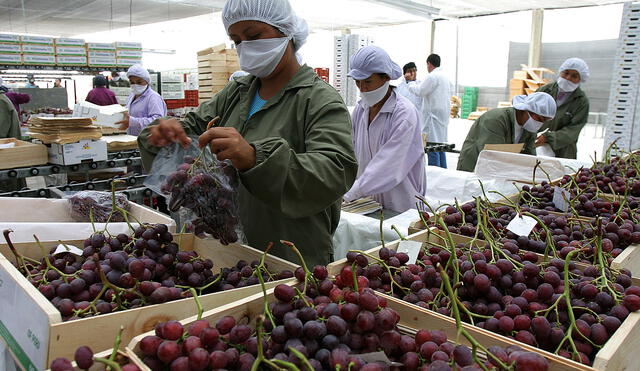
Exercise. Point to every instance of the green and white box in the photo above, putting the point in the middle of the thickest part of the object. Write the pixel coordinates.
(71, 50)
(38, 59)
(9, 38)
(10, 48)
(128, 45)
(38, 40)
(71, 60)
(127, 62)
(101, 46)
(65, 41)
(101, 54)
(10, 58)
(101, 61)
(37, 49)
(127, 53)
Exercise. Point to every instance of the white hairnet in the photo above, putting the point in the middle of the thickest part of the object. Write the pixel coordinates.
(539, 103)
(277, 13)
(372, 59)
(578, 65)
(238, 73)
(139, 71)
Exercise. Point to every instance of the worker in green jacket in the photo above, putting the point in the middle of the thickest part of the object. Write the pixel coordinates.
(286, 131)
(510, 125)
(573, 109)
(9, 122)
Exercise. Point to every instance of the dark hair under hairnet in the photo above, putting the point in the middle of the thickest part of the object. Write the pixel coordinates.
(408, 66)
(99, 81)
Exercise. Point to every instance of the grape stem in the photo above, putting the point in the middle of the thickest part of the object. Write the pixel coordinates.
(18, 256)
(381, 229)
(116, 346)
(395, 229)
(258, 272)
(307, 273)
(260, 357)
(301, 357)
(197, 300)
(111, 365)
(48, 262)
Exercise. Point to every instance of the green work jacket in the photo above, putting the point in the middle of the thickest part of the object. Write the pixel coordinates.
(570, 118)
(9, 122)
(304, 161)
(493, 127)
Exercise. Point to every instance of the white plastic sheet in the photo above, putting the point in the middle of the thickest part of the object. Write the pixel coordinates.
(516, 166)
(359, 232)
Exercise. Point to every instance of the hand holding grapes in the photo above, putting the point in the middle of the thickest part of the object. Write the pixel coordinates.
(228, 144)
(168, 131)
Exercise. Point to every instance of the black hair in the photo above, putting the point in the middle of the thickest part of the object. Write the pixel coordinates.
(99, 80)
(408, 66)
(434, 59)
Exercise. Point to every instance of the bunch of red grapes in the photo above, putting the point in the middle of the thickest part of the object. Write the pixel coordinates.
(206, 187)
(84, 360)
(509, 292)
(122, 272)
(331, 328)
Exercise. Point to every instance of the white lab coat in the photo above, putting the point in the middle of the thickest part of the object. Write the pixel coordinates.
(403, 89)
(435, 92)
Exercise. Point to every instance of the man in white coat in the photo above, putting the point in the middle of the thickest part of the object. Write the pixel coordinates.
(435, 92)
(410, 72)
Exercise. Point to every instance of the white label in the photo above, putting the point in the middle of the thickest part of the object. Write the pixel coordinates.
(522, 225)
(67, 248)
(411, 248)
(561, 199)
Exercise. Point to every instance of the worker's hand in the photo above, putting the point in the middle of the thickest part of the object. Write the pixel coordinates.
(168, 131)
(124, 123)
(542, 140)
(228, 144)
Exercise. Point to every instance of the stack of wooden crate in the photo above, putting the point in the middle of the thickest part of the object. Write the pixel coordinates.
(215, 65)
(527, 80)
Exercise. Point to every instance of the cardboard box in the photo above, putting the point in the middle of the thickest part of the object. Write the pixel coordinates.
(71, 60)
(37, 49)
(101, 115)
(38, 59)
(10, 48)
(101, 46)
(516, 84)
(173, 95)
(75, 153)
(39, 40)
(128, 45)
(128, 53)
(71, 50)
(10, 58)
(101, 54)
(65, 41)
(17, 153)
(127, 62)
(9, 38)
(101, 61)
(521, 75)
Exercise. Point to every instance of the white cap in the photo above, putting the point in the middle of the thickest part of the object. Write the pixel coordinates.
(139, 71)
(578, 65)
(277, 13)
(372, 59)
(539, 103)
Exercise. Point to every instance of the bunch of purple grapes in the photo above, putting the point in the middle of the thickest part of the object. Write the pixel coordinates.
(206, 187)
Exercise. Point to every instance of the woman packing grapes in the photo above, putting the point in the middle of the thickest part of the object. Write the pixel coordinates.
(286, 131)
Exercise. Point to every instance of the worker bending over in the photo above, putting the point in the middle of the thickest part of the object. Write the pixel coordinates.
(509, 125)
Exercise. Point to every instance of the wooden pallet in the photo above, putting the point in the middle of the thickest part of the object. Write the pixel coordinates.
(22, 154)
(60, 339)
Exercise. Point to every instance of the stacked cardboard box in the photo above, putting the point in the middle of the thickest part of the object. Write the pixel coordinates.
(172, 85)
(215, 66)
(527, 80)
(128, 53)
(10, 49)
(70, 52)
(101, 54)
(37, 50)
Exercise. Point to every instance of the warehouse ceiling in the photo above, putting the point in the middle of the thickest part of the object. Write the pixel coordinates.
(73, 17)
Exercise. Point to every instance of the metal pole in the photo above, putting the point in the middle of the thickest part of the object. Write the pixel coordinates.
(537, 20)
(457, 52)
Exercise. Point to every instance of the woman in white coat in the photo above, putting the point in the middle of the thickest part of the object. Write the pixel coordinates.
(435, 92)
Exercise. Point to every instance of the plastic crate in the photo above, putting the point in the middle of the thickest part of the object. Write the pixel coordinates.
(175, 103)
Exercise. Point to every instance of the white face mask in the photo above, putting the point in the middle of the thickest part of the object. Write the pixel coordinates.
(532, 125)
(370, 98)
(138, 89)
(115, 78)
(261, 57)
(566, 85)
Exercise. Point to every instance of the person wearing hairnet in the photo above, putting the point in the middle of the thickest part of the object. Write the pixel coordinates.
(286, 131)
(386, 135)
(409, 71)
(509, 125)
(118, 80)
(100, 95)
(573, 109)
(144, 105)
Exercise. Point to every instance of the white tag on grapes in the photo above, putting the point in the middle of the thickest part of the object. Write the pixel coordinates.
(561, 199)
(411, 248)
(378, 357)
(67, 248)
(522, 225)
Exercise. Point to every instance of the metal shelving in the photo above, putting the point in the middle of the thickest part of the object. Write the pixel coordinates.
(83, 69)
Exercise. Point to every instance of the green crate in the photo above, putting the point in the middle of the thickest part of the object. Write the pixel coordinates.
(471, 90)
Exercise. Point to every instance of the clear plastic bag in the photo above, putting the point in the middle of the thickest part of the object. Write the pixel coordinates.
(201, 189)
(96, 204)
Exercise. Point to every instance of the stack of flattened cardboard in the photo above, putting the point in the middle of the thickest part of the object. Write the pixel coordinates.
(215, 66)
(63, 130)
(527, 80)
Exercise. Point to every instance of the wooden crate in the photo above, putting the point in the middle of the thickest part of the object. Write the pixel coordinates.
(412, 318)
(46, 337)
(22, 154)
(615, 351)
(125, 353)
